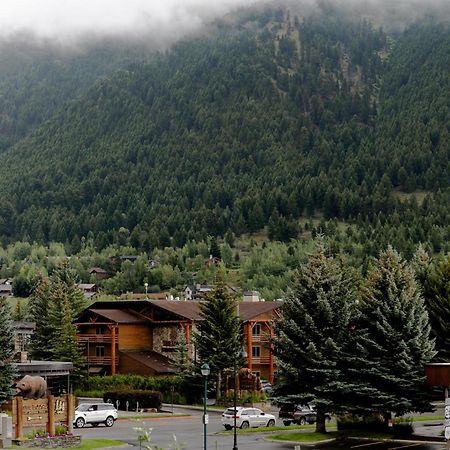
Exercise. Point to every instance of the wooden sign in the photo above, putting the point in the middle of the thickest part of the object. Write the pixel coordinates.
(44, 413)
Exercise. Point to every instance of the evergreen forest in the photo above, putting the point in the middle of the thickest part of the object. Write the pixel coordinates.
(272, 123)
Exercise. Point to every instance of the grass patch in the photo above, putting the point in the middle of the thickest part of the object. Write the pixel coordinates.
(425, 418)
(317, 437)
(304, 437)
(88, 444)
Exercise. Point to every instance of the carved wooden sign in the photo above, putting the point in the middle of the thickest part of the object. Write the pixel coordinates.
(44, 413)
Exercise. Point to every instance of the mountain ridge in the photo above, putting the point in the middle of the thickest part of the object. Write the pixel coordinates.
(236, 131)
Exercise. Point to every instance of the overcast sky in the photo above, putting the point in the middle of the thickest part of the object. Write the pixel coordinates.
(70, 18)
(67, 19)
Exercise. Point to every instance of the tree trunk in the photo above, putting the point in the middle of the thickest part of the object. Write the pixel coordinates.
(387, 415)
(320, 421)
(218, 384)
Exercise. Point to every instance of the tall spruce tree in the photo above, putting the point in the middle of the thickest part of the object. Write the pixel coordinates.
(312, 334)
(435, 282)
(218, 337)
(38, 312)
(65, 303)
(394, 334)
(7, 369)
(66, 347)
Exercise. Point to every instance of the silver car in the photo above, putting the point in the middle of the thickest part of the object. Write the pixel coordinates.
(95, 414)
(246, 418)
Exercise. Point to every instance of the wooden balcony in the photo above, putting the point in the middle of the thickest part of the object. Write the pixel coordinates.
(101, 360)
(96, 338)
(264, 360)
(258, 338)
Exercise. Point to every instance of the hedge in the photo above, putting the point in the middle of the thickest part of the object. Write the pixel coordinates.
(135, 398)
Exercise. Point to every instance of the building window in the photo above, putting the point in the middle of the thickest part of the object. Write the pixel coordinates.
(99, 351)
(256, 352)
(256, 330)
(100, 329)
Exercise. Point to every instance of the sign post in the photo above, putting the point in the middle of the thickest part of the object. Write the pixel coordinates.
(447, 422)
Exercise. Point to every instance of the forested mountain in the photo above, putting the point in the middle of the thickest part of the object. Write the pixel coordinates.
(38, 78)
(267, 120)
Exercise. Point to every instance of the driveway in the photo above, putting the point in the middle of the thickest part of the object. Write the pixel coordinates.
(189, 433)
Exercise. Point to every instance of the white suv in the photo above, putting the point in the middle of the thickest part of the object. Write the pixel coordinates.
(95, 414)
(247, 417)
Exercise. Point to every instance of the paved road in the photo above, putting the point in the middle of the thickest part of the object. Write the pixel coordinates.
(189, 432)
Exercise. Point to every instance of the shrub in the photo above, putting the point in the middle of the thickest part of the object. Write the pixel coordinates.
(403, 427)
(135, 399)
(367, 423)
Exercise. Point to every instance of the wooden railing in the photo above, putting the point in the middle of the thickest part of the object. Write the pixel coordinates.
(101, 360)
(261, 360)
(96, 338)
(259, 338)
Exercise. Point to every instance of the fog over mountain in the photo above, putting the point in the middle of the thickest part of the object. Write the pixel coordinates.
(162, 22)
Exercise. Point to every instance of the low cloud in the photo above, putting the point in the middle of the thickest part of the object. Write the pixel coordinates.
(163, 22)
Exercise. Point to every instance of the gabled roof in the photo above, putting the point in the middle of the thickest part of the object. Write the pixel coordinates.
(128, 311)
(155, 361)
(119, 315)
(83, 286)
(188, 310)
(250, 310)
(97, 270)
(191, 310)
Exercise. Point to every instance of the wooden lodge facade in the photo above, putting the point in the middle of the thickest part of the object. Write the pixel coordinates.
(142, 336)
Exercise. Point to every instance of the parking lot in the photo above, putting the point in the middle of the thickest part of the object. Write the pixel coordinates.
(188, 431)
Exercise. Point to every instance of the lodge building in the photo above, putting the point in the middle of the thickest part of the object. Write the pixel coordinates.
(142, 336)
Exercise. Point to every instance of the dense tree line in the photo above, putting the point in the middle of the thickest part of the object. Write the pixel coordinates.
(268, 120)
(354, 347)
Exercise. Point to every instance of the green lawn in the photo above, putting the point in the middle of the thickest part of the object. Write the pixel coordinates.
(304, 437)
(88, 444)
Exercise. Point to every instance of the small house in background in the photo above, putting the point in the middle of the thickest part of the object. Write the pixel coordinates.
(5, 290)
(22, 335)
(252, 296)
(212, 261)
(88, 289)
(100, 274)
(6, 280)
(197, 291)
(200, 291)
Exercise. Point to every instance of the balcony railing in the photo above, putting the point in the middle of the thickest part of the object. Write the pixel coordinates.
(259, 338)
(261, 360)
(96, 338)
(101, 360)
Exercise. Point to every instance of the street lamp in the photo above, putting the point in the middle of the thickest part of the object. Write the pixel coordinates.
(146, 287)
(205, 372)
(241, 355)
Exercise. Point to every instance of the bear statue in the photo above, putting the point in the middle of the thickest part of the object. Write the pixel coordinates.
(30, 387)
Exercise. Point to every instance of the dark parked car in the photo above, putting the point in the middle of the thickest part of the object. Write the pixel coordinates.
(298, 414)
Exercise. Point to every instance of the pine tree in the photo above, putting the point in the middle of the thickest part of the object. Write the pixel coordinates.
(66, 347)
(312, 334)
(218, 337)
(395, 335)
(19, 313)
(38, 311)
(436, 290)
(64, 278)
(7, 370)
